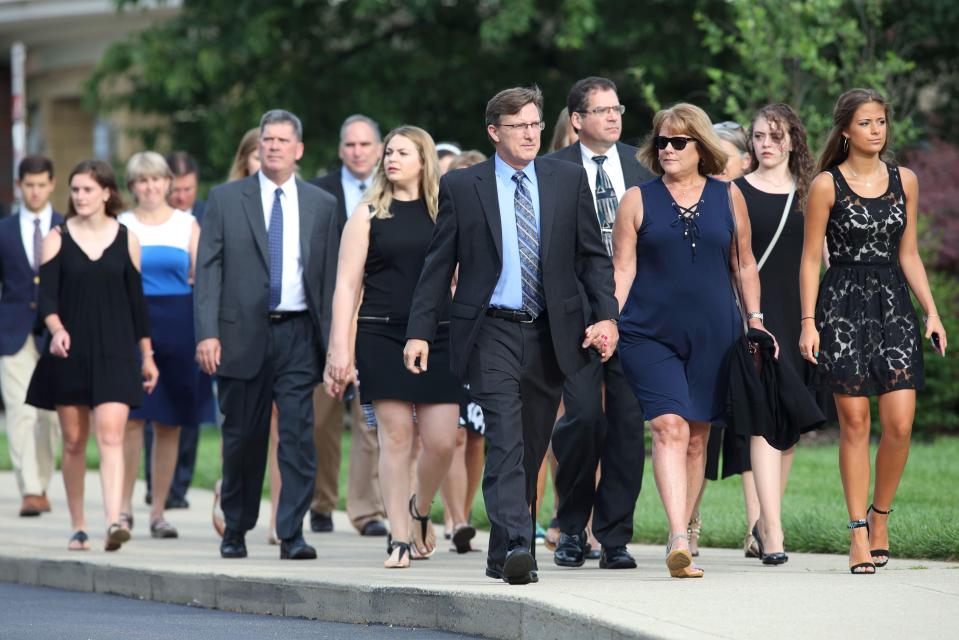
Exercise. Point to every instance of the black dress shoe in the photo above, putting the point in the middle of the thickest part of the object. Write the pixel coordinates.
(321, 522)
(174, 502)
(496, 572)
(233, 545)
(616, 558)
(373, 528)
(778, 557)
(295, 548)
(571, 550)
(519, 565)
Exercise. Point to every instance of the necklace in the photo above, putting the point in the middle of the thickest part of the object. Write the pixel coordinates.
(682, 191)
(868, 180)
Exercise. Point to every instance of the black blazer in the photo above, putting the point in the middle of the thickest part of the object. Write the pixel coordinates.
(468, 232)
(232, 290)
(634, 173)
(18, 302)
(332, 183)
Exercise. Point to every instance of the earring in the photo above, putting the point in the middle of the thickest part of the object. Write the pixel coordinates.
(845, 144)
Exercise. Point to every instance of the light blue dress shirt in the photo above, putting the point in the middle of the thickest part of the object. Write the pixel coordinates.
(352, 194)
(508, 293)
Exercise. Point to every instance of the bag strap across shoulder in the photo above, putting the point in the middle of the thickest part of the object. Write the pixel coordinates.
(779, 229)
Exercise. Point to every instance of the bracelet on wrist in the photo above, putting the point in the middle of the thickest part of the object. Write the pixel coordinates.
(813, 318)
(925, 318)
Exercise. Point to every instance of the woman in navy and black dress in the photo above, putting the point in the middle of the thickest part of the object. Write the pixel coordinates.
(184, 397)
(858, 325)
(675, 254)
(91, 300)
(382, 252)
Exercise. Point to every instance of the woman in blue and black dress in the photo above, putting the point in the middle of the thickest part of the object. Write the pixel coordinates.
(183, 399)
(859, 326)
(675, 255)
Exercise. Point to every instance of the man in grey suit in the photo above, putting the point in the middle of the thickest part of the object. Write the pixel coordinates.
(599, 429)
(266, 268)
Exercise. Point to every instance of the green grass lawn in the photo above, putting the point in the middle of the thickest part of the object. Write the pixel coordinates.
(925, 524)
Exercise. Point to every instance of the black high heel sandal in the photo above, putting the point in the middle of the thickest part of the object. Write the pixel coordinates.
(424, 525)
(879, 553)
(868, 568)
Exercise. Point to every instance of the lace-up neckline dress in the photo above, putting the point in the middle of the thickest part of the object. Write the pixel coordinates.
(870, 341)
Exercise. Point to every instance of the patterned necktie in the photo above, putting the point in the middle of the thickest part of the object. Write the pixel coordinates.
(606, 203)
(275, 237)
(526, 233)
(37, 244)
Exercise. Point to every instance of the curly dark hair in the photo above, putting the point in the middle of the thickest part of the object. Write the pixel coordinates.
(784, 118)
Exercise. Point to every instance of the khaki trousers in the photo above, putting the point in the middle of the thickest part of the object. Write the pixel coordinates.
(364, 502)
(32, 434)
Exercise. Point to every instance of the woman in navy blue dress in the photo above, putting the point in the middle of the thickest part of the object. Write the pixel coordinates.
(183, 399)
(675, 252)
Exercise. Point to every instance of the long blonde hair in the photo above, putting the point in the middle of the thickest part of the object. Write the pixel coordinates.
(380, 193)
(247, 146)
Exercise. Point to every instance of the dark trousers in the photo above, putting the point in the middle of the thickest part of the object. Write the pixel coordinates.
(515, 379)
(583, 437)
(185, 460)
(288, 376)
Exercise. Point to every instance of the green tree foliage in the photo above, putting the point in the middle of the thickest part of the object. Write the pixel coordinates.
(215, 68)
(804, 53)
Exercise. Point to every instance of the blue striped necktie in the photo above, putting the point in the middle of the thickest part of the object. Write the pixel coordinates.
(275, 237)
(534, 300)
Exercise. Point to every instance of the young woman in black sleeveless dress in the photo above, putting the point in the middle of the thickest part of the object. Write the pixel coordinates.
(382, 252)
(91, 300)
(858, 325)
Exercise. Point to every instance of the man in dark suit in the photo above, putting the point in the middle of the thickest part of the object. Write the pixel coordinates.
(32, 433)
(524, 233)
(589, 431)
(359, 149)
(265, 274)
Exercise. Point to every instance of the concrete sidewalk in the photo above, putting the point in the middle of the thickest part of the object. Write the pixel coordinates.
(812, 596)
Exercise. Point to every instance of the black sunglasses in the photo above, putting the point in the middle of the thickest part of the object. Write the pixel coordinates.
(679, 142)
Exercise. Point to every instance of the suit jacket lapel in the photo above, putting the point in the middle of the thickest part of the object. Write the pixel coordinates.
(629, 164)
(486, 190)
(547, 206)
(253, 207)
(307, 216)
(17, 239)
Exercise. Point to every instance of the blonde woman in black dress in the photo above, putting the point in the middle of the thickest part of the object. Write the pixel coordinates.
(382, 251)
(859, 326)
(91, 300)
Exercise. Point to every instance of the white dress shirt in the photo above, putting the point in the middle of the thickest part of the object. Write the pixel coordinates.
(612, 166)
(352, 194)
(292, 293)
(26, 227)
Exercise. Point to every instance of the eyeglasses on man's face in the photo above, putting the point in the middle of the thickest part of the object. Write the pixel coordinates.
(605, 111)
(539, 125)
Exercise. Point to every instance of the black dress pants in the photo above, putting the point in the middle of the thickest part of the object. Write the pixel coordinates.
(515, 379)
(586, 435)
(288, 377)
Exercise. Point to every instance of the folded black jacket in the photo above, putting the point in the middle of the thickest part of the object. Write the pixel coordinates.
(773, 403)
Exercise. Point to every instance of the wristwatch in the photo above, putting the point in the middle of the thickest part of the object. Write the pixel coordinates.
(755, 315)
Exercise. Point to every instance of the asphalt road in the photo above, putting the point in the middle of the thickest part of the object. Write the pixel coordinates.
(35, 613)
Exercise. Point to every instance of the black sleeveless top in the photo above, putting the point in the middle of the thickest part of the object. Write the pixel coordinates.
(394, 260)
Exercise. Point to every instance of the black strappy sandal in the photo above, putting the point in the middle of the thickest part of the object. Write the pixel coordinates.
(404, 548)
(868, 568)
(424, 526)
(879, 553)
(81, 538)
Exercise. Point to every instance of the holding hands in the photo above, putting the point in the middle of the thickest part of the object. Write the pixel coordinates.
(339, 372)
(602, 336)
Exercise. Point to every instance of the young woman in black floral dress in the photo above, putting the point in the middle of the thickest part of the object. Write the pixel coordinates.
(858, 324)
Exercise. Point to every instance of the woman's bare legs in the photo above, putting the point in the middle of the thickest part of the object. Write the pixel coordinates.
(771, 473)
(132, 451)
(274, 470)
(166, 441)
(854, 468)
(438, 426)
(394, 420)
(110, 419)
(453, 488)
(897, 410)
(475, 460)
(75, 425)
